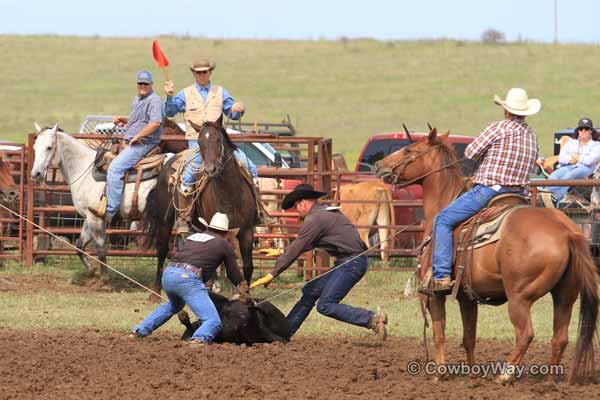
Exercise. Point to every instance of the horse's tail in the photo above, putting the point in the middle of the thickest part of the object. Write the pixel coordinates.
(584, 269)
(149, 221)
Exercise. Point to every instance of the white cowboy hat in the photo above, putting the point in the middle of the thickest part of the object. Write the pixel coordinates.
(219, 222)
(518, 103)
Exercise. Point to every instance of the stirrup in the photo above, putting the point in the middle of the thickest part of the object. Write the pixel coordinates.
(100, 211)
(442, 286)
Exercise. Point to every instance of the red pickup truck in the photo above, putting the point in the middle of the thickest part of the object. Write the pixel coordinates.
(380, 146)
(376, 148)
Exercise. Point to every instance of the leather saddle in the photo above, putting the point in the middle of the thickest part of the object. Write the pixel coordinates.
(485, 227)
(149, 167)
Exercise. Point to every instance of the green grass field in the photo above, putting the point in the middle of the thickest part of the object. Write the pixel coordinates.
(119, 311)
(346, 90)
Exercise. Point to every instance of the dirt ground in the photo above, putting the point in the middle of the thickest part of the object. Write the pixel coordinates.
(88, 364)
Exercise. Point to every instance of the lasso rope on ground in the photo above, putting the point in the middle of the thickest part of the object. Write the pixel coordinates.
(82, 252)
(301, 285)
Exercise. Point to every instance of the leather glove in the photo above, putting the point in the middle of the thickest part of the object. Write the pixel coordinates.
(265, 280)
(244, 292)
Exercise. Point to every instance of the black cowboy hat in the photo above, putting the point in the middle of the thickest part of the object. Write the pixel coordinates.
(586, 123)
(302, 191)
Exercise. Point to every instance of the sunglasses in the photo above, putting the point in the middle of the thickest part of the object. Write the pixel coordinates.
(143, 84)
(202, 72)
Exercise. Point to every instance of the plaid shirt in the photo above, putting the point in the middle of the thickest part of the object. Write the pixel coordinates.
(509, 149)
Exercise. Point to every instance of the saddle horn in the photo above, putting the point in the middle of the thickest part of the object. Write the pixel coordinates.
(410, 139)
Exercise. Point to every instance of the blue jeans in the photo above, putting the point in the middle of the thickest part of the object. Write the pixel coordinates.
(330, 290)
(567, 172)
(450, 217)
(194, 163)
(184, 287)
(116, 171)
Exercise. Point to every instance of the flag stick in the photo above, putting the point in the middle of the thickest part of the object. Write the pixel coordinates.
(166, 72)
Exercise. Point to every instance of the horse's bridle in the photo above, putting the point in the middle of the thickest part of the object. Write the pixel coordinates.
(407, 161)
(54, 150)
(220, 164)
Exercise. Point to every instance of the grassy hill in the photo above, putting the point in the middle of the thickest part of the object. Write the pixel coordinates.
(347, 90)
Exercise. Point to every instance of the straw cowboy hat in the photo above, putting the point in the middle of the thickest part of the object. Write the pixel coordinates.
(518, 103)
(219, 222)
(202, 65)
(302, 191)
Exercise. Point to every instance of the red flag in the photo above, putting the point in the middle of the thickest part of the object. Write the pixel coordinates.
(159, 56)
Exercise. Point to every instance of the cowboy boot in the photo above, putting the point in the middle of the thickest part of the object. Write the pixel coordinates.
(378, 323)
(185, 203)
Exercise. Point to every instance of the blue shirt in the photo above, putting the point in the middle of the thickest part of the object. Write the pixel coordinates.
(144, 111)
(589, 153)
(176, 104)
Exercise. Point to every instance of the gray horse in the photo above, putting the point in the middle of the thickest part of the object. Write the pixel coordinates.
(56, 149)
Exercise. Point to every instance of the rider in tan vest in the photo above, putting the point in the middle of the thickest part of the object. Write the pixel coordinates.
(199, 103)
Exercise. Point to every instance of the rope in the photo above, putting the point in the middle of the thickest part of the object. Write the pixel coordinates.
(301, 285)
(81, 251)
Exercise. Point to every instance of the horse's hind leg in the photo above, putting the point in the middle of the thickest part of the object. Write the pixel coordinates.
(82, 241)
(162, 250)
(519, 311)
(468, 312)
(99, 235)
(564, 295)
(246, 240)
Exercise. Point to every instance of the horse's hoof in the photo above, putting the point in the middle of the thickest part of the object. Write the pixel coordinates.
(505, 379)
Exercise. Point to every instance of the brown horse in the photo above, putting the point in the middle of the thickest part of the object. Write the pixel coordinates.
(9, 194)
(540, 251)
(171, 128)
(226, 192)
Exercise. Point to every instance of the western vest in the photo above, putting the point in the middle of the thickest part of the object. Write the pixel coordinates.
(198, 111)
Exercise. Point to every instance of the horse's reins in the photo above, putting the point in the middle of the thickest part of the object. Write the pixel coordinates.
(404, 163)
(85, 171)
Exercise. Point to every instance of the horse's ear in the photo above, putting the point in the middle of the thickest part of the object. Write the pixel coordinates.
(195, 126)
(54, 128)
(38, 128)
(444, 137)
(432, 136)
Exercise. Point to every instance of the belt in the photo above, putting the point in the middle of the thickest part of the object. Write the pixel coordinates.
(189, 267)
(513, 187)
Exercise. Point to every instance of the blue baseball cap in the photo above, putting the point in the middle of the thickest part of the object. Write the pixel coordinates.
(144, 76)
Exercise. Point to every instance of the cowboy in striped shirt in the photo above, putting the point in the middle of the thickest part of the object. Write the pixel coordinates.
(508, 149)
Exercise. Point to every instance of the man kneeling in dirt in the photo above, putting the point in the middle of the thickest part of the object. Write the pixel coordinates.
(329, 229)
(183, 281)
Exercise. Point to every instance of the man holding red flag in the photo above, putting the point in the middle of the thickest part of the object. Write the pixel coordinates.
(199, 103)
